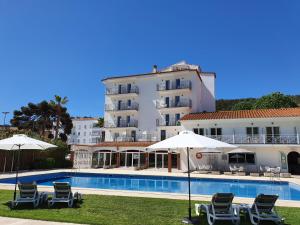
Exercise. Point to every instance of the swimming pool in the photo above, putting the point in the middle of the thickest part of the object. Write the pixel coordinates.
(165, 184)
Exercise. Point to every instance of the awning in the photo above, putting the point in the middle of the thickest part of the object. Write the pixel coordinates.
(239, 150)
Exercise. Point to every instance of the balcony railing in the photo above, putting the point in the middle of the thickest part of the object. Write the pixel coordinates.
(122, 123)
(174, 104)
(122, 107)
(171, 122)
(257, 139)
(186, 84)
(142, 137)
(122, 90)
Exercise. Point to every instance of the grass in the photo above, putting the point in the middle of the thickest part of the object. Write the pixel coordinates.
(114, 210)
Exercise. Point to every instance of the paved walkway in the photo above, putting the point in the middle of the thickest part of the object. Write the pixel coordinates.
(17, 221)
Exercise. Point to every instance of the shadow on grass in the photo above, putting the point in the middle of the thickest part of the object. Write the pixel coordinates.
(29, 206)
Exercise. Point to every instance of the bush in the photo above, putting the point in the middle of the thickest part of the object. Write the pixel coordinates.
(47, 163)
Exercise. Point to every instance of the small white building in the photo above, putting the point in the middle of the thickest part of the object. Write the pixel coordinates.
(85, 131)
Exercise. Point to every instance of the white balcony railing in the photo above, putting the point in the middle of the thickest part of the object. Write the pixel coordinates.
(257, 139)
(122, 90)
(174, 104)
(122, 107)
(122, 123)
(137, 138)
(171, 122)
(186, 84)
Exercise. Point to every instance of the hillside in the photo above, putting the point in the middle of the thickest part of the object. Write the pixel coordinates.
(227, 104)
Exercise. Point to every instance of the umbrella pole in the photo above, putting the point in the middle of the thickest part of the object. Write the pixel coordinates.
(189, 181)
(189, 219)
(17, 172)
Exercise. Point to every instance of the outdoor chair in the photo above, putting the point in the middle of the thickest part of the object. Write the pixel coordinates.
(221, 208)
(64, 194)
(28, 193)
(263, 209)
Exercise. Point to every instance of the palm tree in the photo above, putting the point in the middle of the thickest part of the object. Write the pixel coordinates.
(58, 104)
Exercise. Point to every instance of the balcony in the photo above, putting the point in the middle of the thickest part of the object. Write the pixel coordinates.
(137, 138)
(174, 104)
(122, 107)
(122, 124)
(171, 122)
(173, 86)
(257, 139)
(123, 90)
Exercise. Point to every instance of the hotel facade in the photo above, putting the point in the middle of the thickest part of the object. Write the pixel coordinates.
(142, 109)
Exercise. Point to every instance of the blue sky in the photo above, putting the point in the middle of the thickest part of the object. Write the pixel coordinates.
(66, 47)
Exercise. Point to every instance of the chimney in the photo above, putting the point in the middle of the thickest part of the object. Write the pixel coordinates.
(154, 69)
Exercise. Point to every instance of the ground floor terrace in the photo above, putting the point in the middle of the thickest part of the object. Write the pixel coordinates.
(134, 155)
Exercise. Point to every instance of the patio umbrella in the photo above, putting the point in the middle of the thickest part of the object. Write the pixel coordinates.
(22, 142)
(189, 140)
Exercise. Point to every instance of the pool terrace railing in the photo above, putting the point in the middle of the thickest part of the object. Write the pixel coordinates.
(257, 139)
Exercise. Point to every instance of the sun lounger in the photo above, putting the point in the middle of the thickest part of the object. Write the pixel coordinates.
(221, 208)
(28, 193)
(63, 194)
(263, 209)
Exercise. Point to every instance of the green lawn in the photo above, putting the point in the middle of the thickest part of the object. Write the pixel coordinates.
(112, 210)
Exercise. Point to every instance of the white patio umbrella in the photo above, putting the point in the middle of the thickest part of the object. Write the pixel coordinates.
(189, 140)
(22, 142)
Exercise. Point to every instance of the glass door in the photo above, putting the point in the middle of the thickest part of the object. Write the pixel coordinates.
(100, 159)
(159, 161)
(135, 159)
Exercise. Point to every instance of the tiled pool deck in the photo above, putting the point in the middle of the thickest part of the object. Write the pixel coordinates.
(154, 172)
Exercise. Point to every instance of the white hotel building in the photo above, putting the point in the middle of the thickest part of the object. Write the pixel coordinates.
(145, 108)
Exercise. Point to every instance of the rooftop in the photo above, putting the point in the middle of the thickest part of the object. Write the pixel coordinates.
(177, 67)
(242, 114)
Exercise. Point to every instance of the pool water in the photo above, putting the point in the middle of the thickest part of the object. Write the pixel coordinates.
(199, 186)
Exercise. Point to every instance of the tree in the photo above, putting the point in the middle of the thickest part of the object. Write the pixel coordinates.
(244, 105)
(34, 117)
(58, 104)
(42, 118)
(274, 101)
(100, 122)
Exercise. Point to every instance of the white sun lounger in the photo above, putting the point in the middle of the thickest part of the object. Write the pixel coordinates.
(221, 208)
(63, 194)
(28, 193)
(263, 209)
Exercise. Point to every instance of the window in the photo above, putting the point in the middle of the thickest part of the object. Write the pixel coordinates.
(272, 135)
(177, 100)
(162, 135)
(167, 85)
(199, 131)
(84, 126)
(215, 131)
(177, 83)
(128, 119)
(84, 133)
(129, 103)
(78, 133)
(119, 121)
(252, 131)
(177, 118)
(119, 104)
(83, 141)
(167, 102)
(128, 88)
(78, 141)
(241, 158)
(167, 119)
(79, 127)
